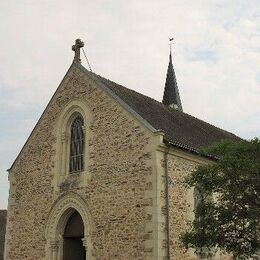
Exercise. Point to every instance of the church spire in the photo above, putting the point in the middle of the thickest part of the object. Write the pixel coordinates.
(171, 96)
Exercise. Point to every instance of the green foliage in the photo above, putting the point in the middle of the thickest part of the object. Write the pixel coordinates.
(228, 215)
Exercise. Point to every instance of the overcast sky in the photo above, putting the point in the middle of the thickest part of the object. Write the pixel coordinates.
(216, 58)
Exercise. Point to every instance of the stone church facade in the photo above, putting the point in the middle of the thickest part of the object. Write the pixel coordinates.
(124, 197)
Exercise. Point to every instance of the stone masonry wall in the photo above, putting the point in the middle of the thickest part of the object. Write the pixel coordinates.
(180, 203)
(120, 167)
(3, 215)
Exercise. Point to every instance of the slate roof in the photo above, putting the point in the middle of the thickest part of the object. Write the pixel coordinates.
(181, 129)
(3, 214)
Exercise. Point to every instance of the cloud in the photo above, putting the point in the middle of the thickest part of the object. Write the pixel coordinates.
(216, 56)
(208, 56)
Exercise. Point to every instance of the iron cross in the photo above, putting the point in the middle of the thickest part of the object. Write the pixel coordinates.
(76, 47)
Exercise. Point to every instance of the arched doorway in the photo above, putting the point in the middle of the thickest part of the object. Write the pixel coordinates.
(68, 209)
(73, 248)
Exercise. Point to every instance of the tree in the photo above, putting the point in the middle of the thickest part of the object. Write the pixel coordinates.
(227, 216)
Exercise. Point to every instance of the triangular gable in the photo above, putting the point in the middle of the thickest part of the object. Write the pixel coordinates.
(181, 129)
(99, 83)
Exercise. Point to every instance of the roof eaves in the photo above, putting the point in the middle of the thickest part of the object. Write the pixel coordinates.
(190, 149)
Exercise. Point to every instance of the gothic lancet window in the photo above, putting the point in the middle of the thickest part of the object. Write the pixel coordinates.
(77, 145)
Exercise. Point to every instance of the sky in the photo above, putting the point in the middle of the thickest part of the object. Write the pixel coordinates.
(216, 56)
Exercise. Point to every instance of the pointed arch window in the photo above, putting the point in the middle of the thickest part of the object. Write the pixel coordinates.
(77, 145)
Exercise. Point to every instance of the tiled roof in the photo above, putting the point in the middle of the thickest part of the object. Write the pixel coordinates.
(3, 214)
(181, 129)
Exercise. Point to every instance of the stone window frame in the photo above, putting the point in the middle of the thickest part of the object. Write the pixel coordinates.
(61, 211)
(63, 180)
(77, 142)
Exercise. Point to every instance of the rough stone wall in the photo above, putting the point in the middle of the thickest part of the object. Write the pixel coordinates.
(120, 167)
(3, 214)
(180, 203)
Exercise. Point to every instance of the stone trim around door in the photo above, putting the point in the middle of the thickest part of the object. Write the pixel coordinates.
(62, 209)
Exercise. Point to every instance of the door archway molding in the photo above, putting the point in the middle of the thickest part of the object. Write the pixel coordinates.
(62, 209)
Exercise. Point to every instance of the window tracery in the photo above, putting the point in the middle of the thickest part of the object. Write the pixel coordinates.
(72, 148)
(76, 162)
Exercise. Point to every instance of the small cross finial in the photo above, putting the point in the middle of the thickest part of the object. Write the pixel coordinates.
(76, 48)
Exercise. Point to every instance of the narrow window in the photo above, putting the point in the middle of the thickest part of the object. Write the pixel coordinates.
(77, 145)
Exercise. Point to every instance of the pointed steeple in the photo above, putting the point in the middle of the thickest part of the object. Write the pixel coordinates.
(171, 96)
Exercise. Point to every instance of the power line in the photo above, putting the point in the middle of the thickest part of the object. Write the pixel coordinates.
(87, 59)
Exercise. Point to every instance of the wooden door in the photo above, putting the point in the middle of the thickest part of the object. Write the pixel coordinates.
(73, 248)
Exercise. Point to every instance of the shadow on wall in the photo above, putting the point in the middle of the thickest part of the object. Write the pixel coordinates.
(3, 215)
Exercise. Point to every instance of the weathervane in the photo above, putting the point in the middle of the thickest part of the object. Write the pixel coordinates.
(76, 48)
(171, 43)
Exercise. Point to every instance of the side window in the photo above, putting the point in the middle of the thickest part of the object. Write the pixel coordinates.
(76, 161)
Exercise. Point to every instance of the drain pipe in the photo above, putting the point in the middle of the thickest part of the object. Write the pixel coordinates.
(167, 199)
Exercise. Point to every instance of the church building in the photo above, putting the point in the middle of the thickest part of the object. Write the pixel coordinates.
(101, 176)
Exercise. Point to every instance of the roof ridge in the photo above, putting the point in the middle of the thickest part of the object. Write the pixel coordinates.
(180, 128)
(170, 109)
(132, 90)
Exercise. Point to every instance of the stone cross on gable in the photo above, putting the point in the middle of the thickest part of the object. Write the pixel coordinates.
(76, 47)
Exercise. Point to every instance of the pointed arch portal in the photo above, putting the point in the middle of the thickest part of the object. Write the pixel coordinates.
(68, 230)
(73, 248)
